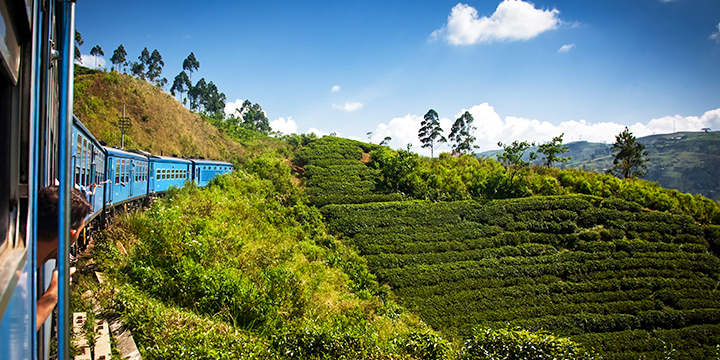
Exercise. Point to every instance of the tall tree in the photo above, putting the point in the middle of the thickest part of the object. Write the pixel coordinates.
(181, 85)
(78, 43)
(118, 58)
(512, 157)
(138, 68)
(155, 64)
(461, 134)
(630, 156)
(430, 133)
(214, 102)
(96, 51)
(191, 64)
(552, 149)
(254, 117)
(196, 94)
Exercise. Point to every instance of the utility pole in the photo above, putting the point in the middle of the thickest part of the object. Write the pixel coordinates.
(124, 123)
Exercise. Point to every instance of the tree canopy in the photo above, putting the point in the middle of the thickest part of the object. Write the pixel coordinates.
(512, 157)
(118, 58)
(78, 42)
(552, 149)
(462, 132)
(191, 64)
(154, 66)
(630, 156)
(96, 51)
(430, 133)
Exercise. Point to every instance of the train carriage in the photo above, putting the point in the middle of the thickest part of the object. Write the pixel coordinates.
(128, 175)
(206, 170)
(168, 171)
(88, 163)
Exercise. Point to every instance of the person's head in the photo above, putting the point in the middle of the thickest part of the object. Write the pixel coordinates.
(47, 206)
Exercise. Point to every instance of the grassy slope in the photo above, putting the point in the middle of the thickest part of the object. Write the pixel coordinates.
(160, 124)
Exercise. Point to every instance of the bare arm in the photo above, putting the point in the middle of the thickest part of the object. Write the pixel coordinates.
(47, 302)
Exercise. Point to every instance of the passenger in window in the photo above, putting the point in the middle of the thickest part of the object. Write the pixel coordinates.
(47, 239)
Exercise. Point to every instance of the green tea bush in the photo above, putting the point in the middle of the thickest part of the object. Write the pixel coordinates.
(516, 344)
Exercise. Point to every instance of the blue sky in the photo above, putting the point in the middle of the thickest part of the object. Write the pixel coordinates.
(525, 70)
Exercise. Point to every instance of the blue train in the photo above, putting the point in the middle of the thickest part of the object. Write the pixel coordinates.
(41, 142)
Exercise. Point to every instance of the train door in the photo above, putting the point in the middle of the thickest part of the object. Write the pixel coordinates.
(131, 180)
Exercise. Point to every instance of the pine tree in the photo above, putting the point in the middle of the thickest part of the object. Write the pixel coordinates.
(630, 156)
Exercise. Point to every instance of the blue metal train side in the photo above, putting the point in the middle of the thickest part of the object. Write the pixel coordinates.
(168, 171)
(206, 170)
(88, 163)
(128, 175)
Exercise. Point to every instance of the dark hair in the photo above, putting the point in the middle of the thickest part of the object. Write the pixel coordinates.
(47, 206)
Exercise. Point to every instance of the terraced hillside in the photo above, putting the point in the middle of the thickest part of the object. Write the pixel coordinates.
(629, 282)
(334, 172)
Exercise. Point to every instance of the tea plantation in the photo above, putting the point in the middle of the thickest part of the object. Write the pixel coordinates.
(629, 282)
(335, 174)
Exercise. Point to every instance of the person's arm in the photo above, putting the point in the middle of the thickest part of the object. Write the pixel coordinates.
(47, 302)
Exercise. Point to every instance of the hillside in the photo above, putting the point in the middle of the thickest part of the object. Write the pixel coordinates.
(320, 248)
(625, 270)
(685, 161)
(160, 123)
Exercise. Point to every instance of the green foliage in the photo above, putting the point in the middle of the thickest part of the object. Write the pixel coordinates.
(579, 266)
(516, 344)
(552, 149)
(461, 134)
(512, 157)
(430, 132)
(630, 156)
(118, 58)
(244, 269)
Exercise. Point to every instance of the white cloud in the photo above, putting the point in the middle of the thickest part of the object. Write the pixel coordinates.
(566, 48)
(284, 126)
(335, 88)
(513, 20)
(230, 107)
(89, 61)
(348, 106)
(716, 36)
(491, 129)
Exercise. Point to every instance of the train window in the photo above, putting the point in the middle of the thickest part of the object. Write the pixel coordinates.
(124, 171)
(162, 174)
(117, 171)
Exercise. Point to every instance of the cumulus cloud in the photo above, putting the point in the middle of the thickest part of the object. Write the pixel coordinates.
(335, 88)
(716, 36)
(565, 48)
(492, 128)
(349, 106)
(89, 61)
(230, 107)
(513, 20)
(284, 126)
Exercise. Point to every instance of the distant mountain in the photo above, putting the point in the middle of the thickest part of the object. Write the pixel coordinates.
(685, 161)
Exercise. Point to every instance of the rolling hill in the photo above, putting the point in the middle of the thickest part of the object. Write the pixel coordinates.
(685, 161)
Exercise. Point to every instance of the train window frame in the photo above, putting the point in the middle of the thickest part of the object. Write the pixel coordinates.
(117, 171)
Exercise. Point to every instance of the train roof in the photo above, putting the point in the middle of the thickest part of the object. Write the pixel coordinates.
(123, 153)
(211, 162)
(170, 159)
(82, 127)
